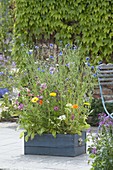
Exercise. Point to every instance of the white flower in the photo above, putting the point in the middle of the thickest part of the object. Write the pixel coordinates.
(62, 117)
(68, 105)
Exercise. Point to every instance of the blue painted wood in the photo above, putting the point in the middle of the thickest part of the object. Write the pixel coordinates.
(62, 145)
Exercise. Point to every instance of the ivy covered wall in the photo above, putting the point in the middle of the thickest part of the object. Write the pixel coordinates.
(86, 23)
(6, 26)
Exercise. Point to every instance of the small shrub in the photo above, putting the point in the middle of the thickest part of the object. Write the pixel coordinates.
(101, 149)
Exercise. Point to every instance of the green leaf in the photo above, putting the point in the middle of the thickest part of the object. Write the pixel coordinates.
(54, 133)
(21, 134)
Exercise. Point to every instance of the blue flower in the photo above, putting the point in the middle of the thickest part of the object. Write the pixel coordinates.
(51, 57)
(36, 47)
(87, 58)
(30, 52)
(22, 44)
(67, 65)
(95, 75)
(88, 64)
(92, 67)
(51, 45)
(60, 53)
(51, 72)
(38, 69)
(43, 70)
(1, 73)
(10, 77)
(100, 62)
(60, 41)
(99, 68)
(67, 45)
(74, 47)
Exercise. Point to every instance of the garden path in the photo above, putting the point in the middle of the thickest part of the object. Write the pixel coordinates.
(12, 157)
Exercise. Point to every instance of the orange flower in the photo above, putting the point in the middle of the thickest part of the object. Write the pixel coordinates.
(40, 102)
(75, 106)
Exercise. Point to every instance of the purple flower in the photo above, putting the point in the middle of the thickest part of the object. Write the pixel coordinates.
(43, 86)
(94, 150)
(1, 58)
(17, 103)
(72, 116)
(13, 64)
(38, 69)
(21, 106)
(52, 69)
(56, 108)
(89, 131)
(40, 97)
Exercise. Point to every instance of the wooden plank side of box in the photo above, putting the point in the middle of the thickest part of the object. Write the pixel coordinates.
(62, 145)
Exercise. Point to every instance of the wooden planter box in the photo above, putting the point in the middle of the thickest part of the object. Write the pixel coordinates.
(62, 145)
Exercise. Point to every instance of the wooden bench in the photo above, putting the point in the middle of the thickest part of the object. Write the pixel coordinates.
(105, 80)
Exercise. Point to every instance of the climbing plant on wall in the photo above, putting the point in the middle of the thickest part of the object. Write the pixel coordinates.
(6, 29)
(86, 23)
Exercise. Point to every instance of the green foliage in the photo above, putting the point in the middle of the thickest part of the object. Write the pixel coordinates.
(54, 93)
(6, 28)
(96, 109)
(82, 22)
(101, 149)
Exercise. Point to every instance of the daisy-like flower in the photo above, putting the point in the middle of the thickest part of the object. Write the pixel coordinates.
(35, 99)
(62, 117)
(75, 106)
(68, 105)
(53, 94)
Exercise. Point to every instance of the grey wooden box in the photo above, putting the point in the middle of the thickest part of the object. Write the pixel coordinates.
(62, 145)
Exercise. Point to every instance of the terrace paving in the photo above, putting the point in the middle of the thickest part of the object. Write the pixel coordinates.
(12, 154)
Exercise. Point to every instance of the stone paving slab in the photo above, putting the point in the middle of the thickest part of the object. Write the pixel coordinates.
(12, 155)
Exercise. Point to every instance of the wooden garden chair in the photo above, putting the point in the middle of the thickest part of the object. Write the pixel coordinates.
(105, 80)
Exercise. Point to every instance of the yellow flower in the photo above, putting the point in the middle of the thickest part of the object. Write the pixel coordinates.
(87, 104)
(53, 94)
(35, 99)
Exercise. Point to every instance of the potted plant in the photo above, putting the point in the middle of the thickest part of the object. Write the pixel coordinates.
(53, 103)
